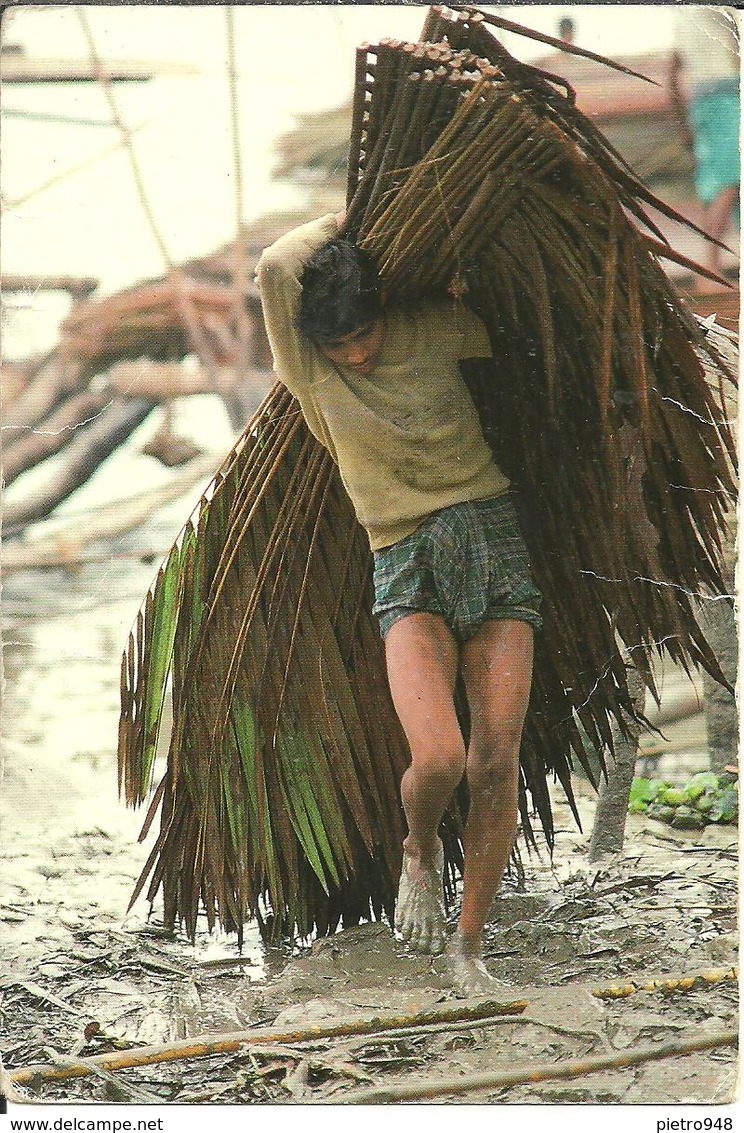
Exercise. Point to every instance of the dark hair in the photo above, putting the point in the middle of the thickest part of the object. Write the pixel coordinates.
(340, 292)
(566, 27)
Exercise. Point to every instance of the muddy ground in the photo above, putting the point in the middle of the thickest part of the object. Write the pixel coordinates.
(78, 976)
(81, 981)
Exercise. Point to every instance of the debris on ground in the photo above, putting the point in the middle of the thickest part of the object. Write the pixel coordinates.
(81, 983)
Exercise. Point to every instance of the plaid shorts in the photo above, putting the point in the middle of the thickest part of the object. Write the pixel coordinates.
(468, 563)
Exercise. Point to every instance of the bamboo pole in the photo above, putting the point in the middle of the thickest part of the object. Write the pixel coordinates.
(120, 1090)
(71, 171)
(671, 984)
(206, 1045)
(125, 132)
(542, 1072)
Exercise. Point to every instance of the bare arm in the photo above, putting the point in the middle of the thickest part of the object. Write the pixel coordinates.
(278, 275)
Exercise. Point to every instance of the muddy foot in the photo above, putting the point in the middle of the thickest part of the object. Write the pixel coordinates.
(419, 910)
(468, 973)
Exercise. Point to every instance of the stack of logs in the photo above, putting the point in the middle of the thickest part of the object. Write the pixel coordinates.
(118, 359)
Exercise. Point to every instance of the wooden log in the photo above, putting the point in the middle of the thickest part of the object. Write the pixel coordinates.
(205, 1045)
(51, 435)
(63, 547)
(23, 69)
(242, 390)
(668, 985)
(77, 286)
(53, 380)
(158, 381)
(85, 453)
(683, 707)
(14, 378)
(119, 1090)
(540, 1072)
(88, 321)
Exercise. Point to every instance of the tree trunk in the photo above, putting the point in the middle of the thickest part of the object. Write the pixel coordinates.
(721, 722)
(608, 831)
(719, 625)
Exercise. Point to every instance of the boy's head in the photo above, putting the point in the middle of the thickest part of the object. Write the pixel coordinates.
(341, 304)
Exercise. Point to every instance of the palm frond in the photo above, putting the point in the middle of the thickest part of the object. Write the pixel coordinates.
(285, 747)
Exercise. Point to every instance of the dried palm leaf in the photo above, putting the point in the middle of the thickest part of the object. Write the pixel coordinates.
(472, 173)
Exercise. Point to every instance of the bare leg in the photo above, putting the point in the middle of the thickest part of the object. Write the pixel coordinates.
(422, 663)
(497, 668)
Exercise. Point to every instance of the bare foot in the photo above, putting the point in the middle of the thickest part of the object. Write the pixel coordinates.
(419, 909)
(468, 973)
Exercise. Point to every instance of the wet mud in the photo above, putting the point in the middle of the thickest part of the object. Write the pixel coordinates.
(82, 981)
(80, 976)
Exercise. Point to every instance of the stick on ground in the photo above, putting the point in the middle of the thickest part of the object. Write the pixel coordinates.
(497, 1080)
(668, 985)
(206, 1045)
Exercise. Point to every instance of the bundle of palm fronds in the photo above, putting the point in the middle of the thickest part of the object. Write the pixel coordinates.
(474, 174)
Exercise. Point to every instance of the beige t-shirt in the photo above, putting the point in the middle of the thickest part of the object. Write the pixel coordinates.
(406, 438)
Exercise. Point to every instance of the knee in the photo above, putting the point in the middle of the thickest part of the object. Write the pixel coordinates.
(493, 760)
(440, 763)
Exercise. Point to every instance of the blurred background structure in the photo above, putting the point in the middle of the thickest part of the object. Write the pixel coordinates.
(148, 155)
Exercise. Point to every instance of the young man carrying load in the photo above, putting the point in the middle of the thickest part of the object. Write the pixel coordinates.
(382, 389)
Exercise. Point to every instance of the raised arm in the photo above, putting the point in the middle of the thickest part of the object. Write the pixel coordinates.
(278, 275)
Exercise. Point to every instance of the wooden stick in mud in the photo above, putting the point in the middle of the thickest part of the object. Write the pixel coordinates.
(225, 1044)
(127, 1093)
(545, 1072)
(667, 985)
